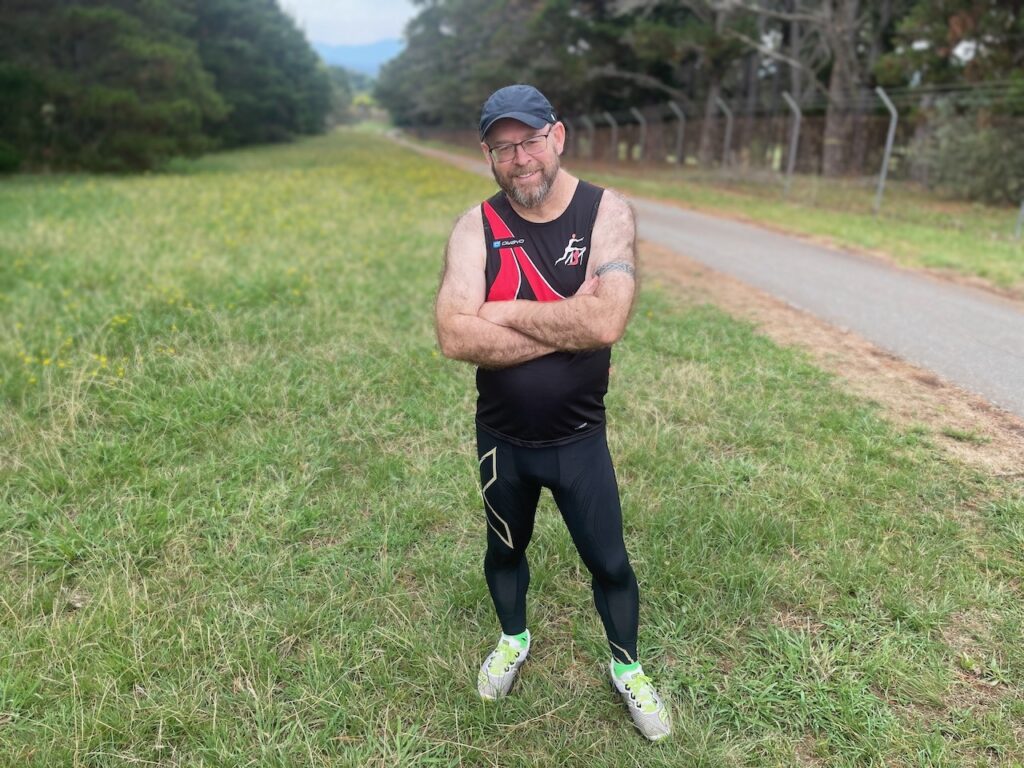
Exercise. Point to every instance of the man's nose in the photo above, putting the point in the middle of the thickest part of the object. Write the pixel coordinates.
(521, 151)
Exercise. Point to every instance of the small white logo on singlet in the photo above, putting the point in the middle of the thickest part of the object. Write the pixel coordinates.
(572, 255)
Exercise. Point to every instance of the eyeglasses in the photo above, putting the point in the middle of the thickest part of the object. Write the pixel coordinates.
(531, 146)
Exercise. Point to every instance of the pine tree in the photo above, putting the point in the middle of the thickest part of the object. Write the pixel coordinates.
(104, 85)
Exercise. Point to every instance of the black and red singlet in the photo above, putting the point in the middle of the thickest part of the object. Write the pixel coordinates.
(558, 398)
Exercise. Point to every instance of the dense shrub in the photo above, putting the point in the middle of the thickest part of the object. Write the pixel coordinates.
(975, 155)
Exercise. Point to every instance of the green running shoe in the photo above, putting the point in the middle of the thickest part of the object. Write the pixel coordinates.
(649, 713)
(500, 668)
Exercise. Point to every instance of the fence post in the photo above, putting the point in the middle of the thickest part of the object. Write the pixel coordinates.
(1020, 221)
(888, 146)
(572, 134)
(727, 148)
(615, 135)
(590, 136)
(643, 131)
(794, 138)
(680, 160)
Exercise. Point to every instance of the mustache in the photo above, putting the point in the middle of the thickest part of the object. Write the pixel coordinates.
(525, 172)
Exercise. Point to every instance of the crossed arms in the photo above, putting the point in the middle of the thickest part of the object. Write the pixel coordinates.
(499, 334)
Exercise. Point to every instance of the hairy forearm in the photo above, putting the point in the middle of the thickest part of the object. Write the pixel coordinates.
(478, 341)
(573, 324)
(585, 321)
(595, 317)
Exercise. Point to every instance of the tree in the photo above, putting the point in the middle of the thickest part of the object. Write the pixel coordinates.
(959, 41)
(264, 69)
(839, 27)
(688, 42)
(584, 55)
(458, 51)
(968, 57)
(834, 46)
(103, 85)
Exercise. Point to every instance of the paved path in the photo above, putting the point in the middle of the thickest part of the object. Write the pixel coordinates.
(965, 335)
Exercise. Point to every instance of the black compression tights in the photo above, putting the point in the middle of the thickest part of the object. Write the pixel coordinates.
(582, 482)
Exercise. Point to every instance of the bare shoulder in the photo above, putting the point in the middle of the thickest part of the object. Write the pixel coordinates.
(466, 242)
(615, 213)
(614, 236)
(468, 225)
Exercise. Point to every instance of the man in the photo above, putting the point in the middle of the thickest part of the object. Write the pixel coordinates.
(538, 284)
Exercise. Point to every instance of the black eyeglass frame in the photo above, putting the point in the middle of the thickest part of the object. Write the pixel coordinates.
(516, 144)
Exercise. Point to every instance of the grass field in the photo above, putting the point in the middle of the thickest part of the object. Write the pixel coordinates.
(239, 521)
(915, 228)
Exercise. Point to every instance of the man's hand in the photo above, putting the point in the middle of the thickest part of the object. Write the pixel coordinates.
(589, 287)
(495, 312)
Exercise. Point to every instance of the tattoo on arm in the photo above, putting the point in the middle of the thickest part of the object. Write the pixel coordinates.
(615, 266)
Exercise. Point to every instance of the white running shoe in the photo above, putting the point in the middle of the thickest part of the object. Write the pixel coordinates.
(500, 668)
(649, 713)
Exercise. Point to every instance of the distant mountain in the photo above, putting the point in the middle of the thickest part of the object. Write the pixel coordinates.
(361, 58)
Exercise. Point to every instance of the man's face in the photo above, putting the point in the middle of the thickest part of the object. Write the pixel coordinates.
(525, 178)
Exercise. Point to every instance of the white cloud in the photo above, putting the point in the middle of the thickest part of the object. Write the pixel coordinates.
(350, 22)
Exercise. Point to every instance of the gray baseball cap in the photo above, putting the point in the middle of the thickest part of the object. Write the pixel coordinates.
(520, 102)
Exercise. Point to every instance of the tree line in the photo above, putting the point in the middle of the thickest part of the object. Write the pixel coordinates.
(120, 85)
(594, 56)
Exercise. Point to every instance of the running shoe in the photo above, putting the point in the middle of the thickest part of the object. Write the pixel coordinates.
(649, 713)
(500, 668)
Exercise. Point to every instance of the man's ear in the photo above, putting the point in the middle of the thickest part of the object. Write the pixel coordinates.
(558, 131)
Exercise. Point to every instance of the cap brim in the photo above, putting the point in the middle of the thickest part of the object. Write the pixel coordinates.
(531, 120)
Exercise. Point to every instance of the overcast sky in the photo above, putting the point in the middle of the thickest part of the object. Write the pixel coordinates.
(350, 22)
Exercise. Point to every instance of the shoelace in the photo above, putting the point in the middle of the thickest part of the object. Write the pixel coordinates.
(504, 655)
(642, 691)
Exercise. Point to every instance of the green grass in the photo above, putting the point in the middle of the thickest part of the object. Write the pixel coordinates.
(239, 522)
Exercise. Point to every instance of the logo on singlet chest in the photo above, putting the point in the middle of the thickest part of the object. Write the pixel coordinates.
(573, 254)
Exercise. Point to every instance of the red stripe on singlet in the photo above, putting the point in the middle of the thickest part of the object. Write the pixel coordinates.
(501, 289)
(506, 284)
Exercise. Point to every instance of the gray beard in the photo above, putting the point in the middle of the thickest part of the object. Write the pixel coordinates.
(528, 198)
